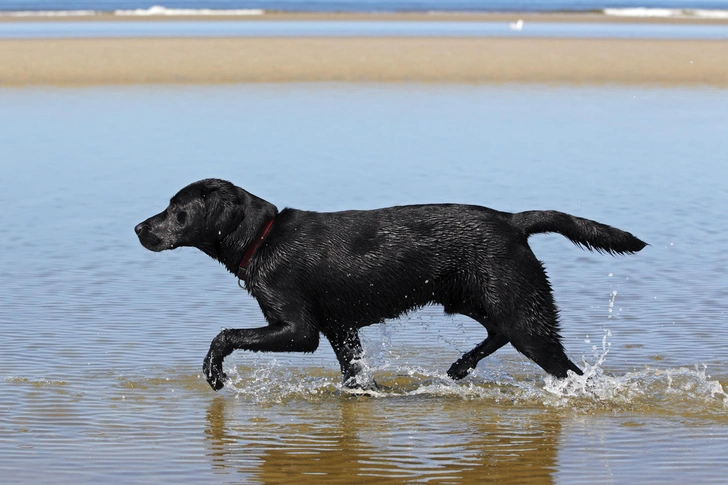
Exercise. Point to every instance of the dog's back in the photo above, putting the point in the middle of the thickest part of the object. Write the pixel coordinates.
(377, 264)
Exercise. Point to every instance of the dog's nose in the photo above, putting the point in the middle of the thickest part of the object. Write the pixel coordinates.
(138, 228)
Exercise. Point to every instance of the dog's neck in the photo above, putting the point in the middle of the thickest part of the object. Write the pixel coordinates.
(232, 250)
(252, 247)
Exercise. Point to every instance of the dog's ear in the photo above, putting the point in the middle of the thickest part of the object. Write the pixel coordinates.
(232, 211)
(209, 188)
(255, 213)
(223, 209)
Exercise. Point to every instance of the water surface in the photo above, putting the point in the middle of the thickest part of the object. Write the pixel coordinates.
(102, 345)
(340, 28)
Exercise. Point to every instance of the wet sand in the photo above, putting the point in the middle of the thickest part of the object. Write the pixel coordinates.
(366, 59)
(236, 60)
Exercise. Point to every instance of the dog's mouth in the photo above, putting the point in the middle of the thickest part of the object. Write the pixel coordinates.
(150, 240)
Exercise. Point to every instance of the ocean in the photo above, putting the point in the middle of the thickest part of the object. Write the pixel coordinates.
(200, 7)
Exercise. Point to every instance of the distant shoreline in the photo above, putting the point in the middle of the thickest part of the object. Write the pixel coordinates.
(85, 62)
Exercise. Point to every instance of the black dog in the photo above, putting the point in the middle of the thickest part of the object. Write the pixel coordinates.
(333, 273)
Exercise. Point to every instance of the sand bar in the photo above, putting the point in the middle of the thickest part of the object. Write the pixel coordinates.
(78, 62)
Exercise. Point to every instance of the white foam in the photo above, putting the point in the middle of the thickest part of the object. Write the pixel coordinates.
(666, 13)
(155, 11)
(158, 10)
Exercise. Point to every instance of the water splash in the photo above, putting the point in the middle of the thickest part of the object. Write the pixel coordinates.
(510, 380)
(673, 390)
(272, 382)
(586, 384)
(611, 303)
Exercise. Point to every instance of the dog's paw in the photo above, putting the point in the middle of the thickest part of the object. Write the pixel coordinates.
(355, 387)
(354, 384)
(459, 370)
(212, 370)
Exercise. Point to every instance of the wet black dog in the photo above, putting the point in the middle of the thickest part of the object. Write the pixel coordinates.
(333, 273)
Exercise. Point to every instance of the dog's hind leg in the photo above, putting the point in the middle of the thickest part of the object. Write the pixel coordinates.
(467, 362)
(527, 314)
(536, 336)
(348, 350)
(550, 356)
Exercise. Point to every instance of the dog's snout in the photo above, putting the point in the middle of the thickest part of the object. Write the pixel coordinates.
(153, 242)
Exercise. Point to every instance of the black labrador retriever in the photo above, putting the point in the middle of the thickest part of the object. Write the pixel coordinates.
(332, 273)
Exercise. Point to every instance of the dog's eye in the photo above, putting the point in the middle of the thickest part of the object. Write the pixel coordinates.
(181, 217)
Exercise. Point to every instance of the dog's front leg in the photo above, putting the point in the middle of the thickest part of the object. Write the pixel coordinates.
(347, 348)
(280, 337)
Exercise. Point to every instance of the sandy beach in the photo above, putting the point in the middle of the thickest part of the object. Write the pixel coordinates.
(78, 62)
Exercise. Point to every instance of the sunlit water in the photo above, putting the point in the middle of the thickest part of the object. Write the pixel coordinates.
(102, 341)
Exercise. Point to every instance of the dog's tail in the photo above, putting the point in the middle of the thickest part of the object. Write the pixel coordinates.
(582, 232)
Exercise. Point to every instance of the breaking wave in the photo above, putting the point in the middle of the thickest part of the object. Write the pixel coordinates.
(156, 10)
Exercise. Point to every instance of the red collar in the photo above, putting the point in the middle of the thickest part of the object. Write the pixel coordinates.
(252, 247)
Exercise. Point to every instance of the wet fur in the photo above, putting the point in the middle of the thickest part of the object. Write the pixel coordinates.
(332, 273)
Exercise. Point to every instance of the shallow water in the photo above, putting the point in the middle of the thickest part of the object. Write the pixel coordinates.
(293, 28)
(103, 341)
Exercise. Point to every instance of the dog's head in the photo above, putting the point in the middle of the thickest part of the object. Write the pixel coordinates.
(202, 215)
